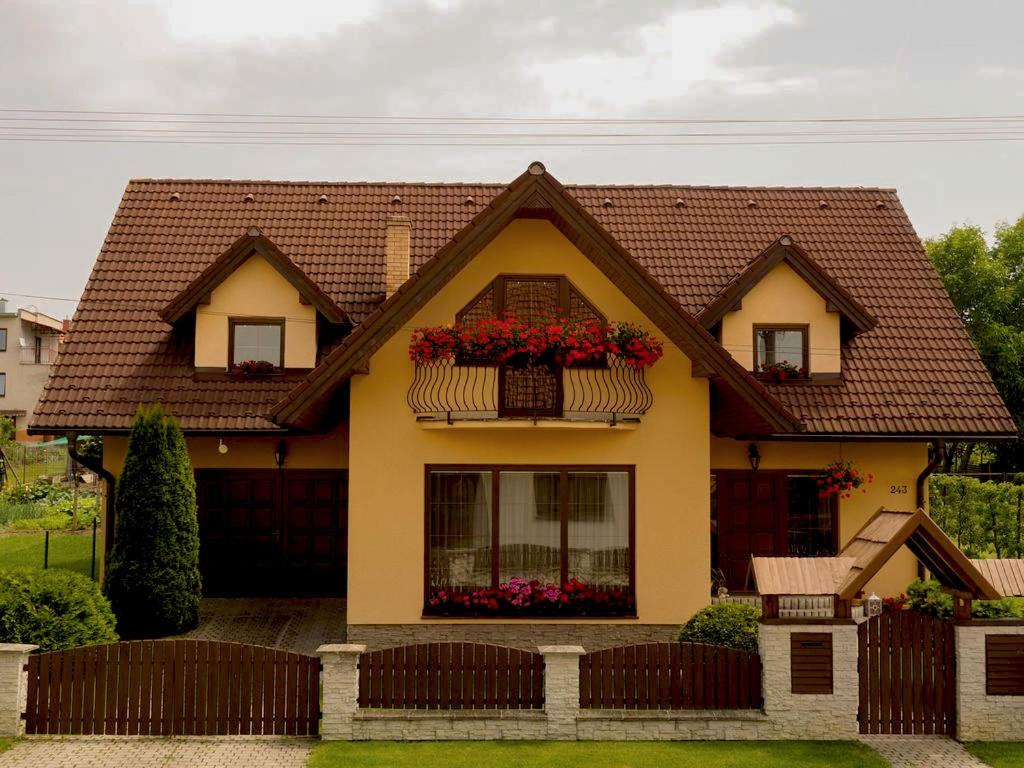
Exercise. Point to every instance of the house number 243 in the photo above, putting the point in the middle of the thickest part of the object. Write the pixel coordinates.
(897, 490)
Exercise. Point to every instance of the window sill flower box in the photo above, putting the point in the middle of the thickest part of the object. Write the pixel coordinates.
(520, 598)
(254, 369)
(781, 372)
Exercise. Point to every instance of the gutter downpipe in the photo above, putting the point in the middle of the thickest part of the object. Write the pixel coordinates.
(108, 477)
(938, 456)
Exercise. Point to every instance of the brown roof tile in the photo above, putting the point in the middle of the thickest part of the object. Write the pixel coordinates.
(914, 373)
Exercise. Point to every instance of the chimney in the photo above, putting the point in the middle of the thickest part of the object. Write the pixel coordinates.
(397, 249)
(3, 305)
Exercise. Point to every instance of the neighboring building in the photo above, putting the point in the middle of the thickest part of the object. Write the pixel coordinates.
(346, 468)
(28, 349)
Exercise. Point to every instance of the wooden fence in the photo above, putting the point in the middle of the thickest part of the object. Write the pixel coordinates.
(173, 687)
(670, 676)
(451, 676)
(907, 674)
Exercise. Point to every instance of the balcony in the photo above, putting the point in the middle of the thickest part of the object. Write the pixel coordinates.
(38, 355)
(447, 391)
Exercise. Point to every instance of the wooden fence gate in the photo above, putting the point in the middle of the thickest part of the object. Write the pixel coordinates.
(907, 674)
(173, 687)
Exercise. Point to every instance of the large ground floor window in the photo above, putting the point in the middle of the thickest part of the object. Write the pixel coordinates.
(546, 540)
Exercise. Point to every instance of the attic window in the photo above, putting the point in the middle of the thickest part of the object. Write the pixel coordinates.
(256, 340)
(781, 345)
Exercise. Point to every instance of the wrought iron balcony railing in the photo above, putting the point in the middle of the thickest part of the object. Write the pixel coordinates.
(445, 390)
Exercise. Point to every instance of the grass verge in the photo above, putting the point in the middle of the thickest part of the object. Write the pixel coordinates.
(553, 754)
(1000, 754)
(72, 551)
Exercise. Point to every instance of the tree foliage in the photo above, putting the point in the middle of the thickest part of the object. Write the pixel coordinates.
(985, 519)
(153, 574)
(986, 284)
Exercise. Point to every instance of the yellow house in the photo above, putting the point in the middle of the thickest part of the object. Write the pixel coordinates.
(458, 492)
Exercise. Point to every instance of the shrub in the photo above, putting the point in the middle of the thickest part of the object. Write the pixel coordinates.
(729, 624)
(928, 597)
(53, 609)
(153, 573)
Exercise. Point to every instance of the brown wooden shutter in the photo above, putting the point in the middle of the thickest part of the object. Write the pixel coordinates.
(811, 662)
(1004, 665)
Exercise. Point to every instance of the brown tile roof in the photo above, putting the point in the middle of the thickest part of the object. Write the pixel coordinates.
(914, 373)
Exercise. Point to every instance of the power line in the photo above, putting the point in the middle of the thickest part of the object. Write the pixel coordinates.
(511, 119)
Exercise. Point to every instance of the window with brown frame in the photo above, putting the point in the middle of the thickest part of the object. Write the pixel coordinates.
(3, 339)
(535, 390)
(781, 344)
(488, 524)
(258, 339)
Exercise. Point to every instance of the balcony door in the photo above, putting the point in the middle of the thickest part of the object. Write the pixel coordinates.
(530, 390)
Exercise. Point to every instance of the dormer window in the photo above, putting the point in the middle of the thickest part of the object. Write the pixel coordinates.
(781, 347)
(257, 340)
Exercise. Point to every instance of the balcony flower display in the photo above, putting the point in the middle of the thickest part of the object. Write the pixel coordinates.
(559, 341)
(781, 371)
(521, 597)
(841, 479)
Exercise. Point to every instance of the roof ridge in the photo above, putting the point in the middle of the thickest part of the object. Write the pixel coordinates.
(499, 185)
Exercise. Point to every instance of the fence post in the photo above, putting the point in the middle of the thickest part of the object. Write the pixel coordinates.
(339, 683)
(796, 715)
(562, 689)
(13, 686)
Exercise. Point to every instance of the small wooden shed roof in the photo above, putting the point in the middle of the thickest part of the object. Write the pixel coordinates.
(800, 575)
(883, 535)
(865, 554)
(1006, 575)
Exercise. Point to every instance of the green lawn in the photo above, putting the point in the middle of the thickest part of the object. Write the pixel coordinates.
(72, 551)
(1001, 754)
(615, 754)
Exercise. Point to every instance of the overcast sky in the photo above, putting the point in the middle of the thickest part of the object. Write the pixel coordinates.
(638, 59)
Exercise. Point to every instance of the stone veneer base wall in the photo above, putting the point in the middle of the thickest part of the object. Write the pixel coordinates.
(526, 636)
(981, 717)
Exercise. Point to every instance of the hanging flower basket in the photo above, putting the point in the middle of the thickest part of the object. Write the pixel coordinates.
(840, 479)
(520, 597)
(509, 341)
(782, 371)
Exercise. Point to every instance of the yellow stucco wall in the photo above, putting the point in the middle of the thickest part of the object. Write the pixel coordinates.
(895, 466)
(388, 451)
(326, 451)
(782, 296)
(255, 289)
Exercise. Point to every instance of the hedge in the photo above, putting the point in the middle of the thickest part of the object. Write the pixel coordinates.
(53, 609)
(985, 519)
(732, 625)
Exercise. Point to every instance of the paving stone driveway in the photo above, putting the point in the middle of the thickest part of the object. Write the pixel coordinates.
(141, 752)
(920, 752)
(296, 624)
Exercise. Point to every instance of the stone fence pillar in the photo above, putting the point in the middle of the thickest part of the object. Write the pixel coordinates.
(809, 715)
(13, 686)
(562, 689)
(980, 716)
(340, 689)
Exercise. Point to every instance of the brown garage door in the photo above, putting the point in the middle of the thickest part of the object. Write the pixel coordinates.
(273, 532)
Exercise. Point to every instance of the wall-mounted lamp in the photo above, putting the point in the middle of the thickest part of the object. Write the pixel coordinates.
(753, 456)
(280, 452)
(222, 447)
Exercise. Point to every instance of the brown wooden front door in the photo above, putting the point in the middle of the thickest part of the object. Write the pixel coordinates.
(751, 520)
(273, 531)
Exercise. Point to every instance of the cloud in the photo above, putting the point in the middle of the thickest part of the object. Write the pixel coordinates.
(661, 62)
(232, 21)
